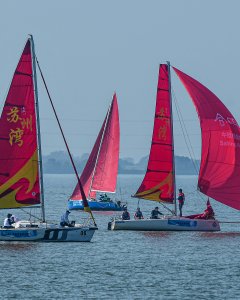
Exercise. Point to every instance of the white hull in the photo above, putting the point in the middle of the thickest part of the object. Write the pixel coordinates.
(69, 234)
(22, 234)
(166, 224)
(46, 233)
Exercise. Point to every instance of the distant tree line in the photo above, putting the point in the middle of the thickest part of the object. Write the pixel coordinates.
(58, 163)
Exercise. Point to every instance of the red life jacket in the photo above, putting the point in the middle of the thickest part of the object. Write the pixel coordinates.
(181, 197)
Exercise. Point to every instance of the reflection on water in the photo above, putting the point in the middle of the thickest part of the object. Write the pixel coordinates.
(219, 235)
(17, 246)
(156, 234)
(124, 264)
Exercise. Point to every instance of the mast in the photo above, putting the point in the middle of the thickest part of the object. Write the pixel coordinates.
(99, 149)
(173, 158)
(38, 127)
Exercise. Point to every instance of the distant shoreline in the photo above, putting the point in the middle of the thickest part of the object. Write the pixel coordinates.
(178, 174)
(58, 163)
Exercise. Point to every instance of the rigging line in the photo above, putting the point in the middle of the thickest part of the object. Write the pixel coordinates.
(104, 133)
(183, 127)
(185, 134)
(30, 214)
(65, 141)
(172, 212)
(184, 131)
(187, 139)
(201, 195)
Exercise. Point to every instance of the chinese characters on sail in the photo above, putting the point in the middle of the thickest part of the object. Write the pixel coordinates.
(22, 124)
(162, 130)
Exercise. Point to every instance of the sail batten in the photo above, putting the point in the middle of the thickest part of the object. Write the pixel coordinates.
(100, 171)
(220, 157)
(158, 183)
(19, 178)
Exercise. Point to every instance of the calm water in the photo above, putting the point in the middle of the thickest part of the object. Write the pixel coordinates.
(125, 265)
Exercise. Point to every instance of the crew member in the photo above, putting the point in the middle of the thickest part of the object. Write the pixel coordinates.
(64, 219)
(125, 214)
(8, 221)
(155, 213)
(181, 199)
(138, 214)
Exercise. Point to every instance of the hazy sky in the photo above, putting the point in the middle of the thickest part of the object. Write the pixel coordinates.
(89, 49)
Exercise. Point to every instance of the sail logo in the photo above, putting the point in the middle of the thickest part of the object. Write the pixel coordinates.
(18, 233)
(186, 223)
(16, 134)
(222, 121)
(163, 116)
(231, 135)
(13, 115)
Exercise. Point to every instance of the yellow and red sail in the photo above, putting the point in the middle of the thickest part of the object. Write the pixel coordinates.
(158, 183)
(19, 178)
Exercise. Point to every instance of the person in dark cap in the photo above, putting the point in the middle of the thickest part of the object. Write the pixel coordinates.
(65, 221)
(8, 221)
(125, 214)
(155, 213)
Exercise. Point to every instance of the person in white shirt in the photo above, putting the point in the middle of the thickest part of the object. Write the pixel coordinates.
(8, 222)
(64, 219)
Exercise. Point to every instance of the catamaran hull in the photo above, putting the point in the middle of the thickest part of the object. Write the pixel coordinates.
(70, 234)
(166, 224)
(94, 205)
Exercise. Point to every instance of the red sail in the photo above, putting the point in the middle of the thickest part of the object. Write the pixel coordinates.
(158, 183)
(100, 172)
(220, 162)
(19, 180)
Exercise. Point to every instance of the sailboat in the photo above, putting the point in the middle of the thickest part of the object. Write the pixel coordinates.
(21, 174)
(100, 171)
(220, 157)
